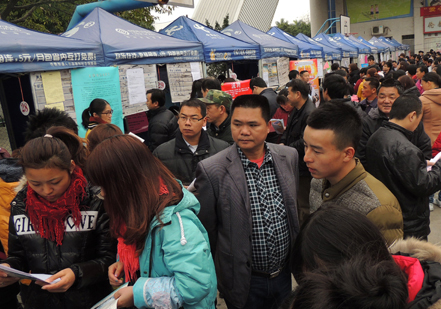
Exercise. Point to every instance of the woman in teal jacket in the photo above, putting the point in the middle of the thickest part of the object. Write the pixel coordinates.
(162, 246)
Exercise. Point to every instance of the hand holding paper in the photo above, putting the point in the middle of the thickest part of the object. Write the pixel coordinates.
(5, 280)
(66, 280)
(125, 297)
(114, 273)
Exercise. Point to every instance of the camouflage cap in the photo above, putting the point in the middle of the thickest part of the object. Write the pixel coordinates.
(215, 96)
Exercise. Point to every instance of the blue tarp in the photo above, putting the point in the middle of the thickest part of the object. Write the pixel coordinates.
(306, 50)
(373, 49)
(331, 53)
(348, 51)
(362, 49)
(381, 48)
(397, 45)
(24, 50)
(126, 43)
(269, 45)
(401, 46)
(217, 46)
(376, 42)
(387, 42)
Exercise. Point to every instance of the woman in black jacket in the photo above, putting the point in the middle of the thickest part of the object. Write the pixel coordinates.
(58, 226)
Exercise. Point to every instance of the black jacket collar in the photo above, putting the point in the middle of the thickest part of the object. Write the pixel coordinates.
(203, 146)
(408, 134)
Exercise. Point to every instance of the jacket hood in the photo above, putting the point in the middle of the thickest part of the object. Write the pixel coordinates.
(375, 113)
(10, 170)
(412, 91)
(422, 250)
(434, 95)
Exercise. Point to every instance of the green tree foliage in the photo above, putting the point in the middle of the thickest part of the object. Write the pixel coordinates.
(54, 16)
(218, 68)
(298, 26)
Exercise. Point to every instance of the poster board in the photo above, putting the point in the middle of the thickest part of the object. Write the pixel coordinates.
(283, 70)
(180, 79)
(269, 73)
(237, 88)
(309, 65)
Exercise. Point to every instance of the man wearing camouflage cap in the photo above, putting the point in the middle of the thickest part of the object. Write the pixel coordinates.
(218, 114)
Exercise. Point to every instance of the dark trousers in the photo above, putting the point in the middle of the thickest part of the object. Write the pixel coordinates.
(303, 198)
(267, 293)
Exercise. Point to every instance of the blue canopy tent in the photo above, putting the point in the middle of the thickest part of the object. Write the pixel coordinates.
(362, 49)
(24, 50)
(217, 46)
(374, 50)
(376, 41)
(347, 50)
(126, 43)
(402, 46)
(381, 48)
(331, 53)
(269, 45)
(307, 50)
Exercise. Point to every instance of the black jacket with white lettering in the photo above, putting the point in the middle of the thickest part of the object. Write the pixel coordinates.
(88, 251)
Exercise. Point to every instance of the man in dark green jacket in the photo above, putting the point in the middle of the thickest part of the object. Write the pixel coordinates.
(191, 145)
(218, 105)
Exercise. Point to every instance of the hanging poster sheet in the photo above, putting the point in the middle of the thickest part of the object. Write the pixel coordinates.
(237, 88)
(40, 98)
(270, 75)
(92, 83)
(283, 70)
(320, 68)
(309, 65)
(180, 79)
(345, 62)
(150, 82)
(136, 86)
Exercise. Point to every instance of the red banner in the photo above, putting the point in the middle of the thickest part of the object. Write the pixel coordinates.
(430, 10)
(238, 88)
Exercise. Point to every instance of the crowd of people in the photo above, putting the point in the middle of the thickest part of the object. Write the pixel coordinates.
(213, 197)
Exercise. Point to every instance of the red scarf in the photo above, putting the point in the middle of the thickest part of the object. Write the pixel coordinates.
(48, 217)
(96, 120)
(127, 253)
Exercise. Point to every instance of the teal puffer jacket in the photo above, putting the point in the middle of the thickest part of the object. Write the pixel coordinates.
(182, 273)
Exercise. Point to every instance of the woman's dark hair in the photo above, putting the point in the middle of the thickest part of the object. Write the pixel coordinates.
(96, 106)
(196, 89)
(353, 67)
(406, 81)
(360, 283)
(334, 234)
(432, 77)
(55, 150)
(388, 64)
(336, 86)
(100, 133)
(131, 178)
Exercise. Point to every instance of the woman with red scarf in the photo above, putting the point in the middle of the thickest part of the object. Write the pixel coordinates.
(163, 248)
(58, 226)
(98, 112)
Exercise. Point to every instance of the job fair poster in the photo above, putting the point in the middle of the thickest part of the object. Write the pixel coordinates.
(92, 83)
(311, 66)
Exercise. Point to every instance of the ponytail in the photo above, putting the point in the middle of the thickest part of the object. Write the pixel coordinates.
(85, 116)
(55, 150)
(97, 106)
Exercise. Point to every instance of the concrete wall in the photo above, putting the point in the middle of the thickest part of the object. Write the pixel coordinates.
(318, 15)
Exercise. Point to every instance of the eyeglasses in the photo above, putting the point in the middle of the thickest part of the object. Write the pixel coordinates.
(109, 112)
(192, 119)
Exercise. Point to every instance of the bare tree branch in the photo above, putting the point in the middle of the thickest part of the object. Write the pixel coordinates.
(42, 2)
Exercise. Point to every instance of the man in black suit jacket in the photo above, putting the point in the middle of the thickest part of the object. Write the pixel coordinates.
(248, 198)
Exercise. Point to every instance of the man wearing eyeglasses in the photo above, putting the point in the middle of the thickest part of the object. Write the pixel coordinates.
(191, 145)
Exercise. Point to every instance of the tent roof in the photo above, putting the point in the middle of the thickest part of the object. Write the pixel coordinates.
(362, 49)
(269, 46)
(126, 43)
(387, 42)
(307, 50)
(395, 43)
(348, 51)
(374, 49)
(217, 46)
(331, 53)
(376, 42)
(24, 50)
(380, 48)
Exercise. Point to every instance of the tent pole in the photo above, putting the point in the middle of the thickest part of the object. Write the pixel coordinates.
(260, 64)
(204, 69)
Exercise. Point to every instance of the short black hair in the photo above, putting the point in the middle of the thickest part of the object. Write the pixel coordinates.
(363, 70)
(334, 66)
(388, 64)
(253, 101)
(404, 105)
(432, 77)
(158, 95)
(299, 85)
(423, 68)
(257, 82)
(342, 73)
(336, 86)
(342, 119)
(210, 83)
(412, 69)
(195, 103)
(39, 123)
(281, 99)
(398, 73)
(293, 74)
(392, 83)
(303, 72)
(371, 57)
(373, 82)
